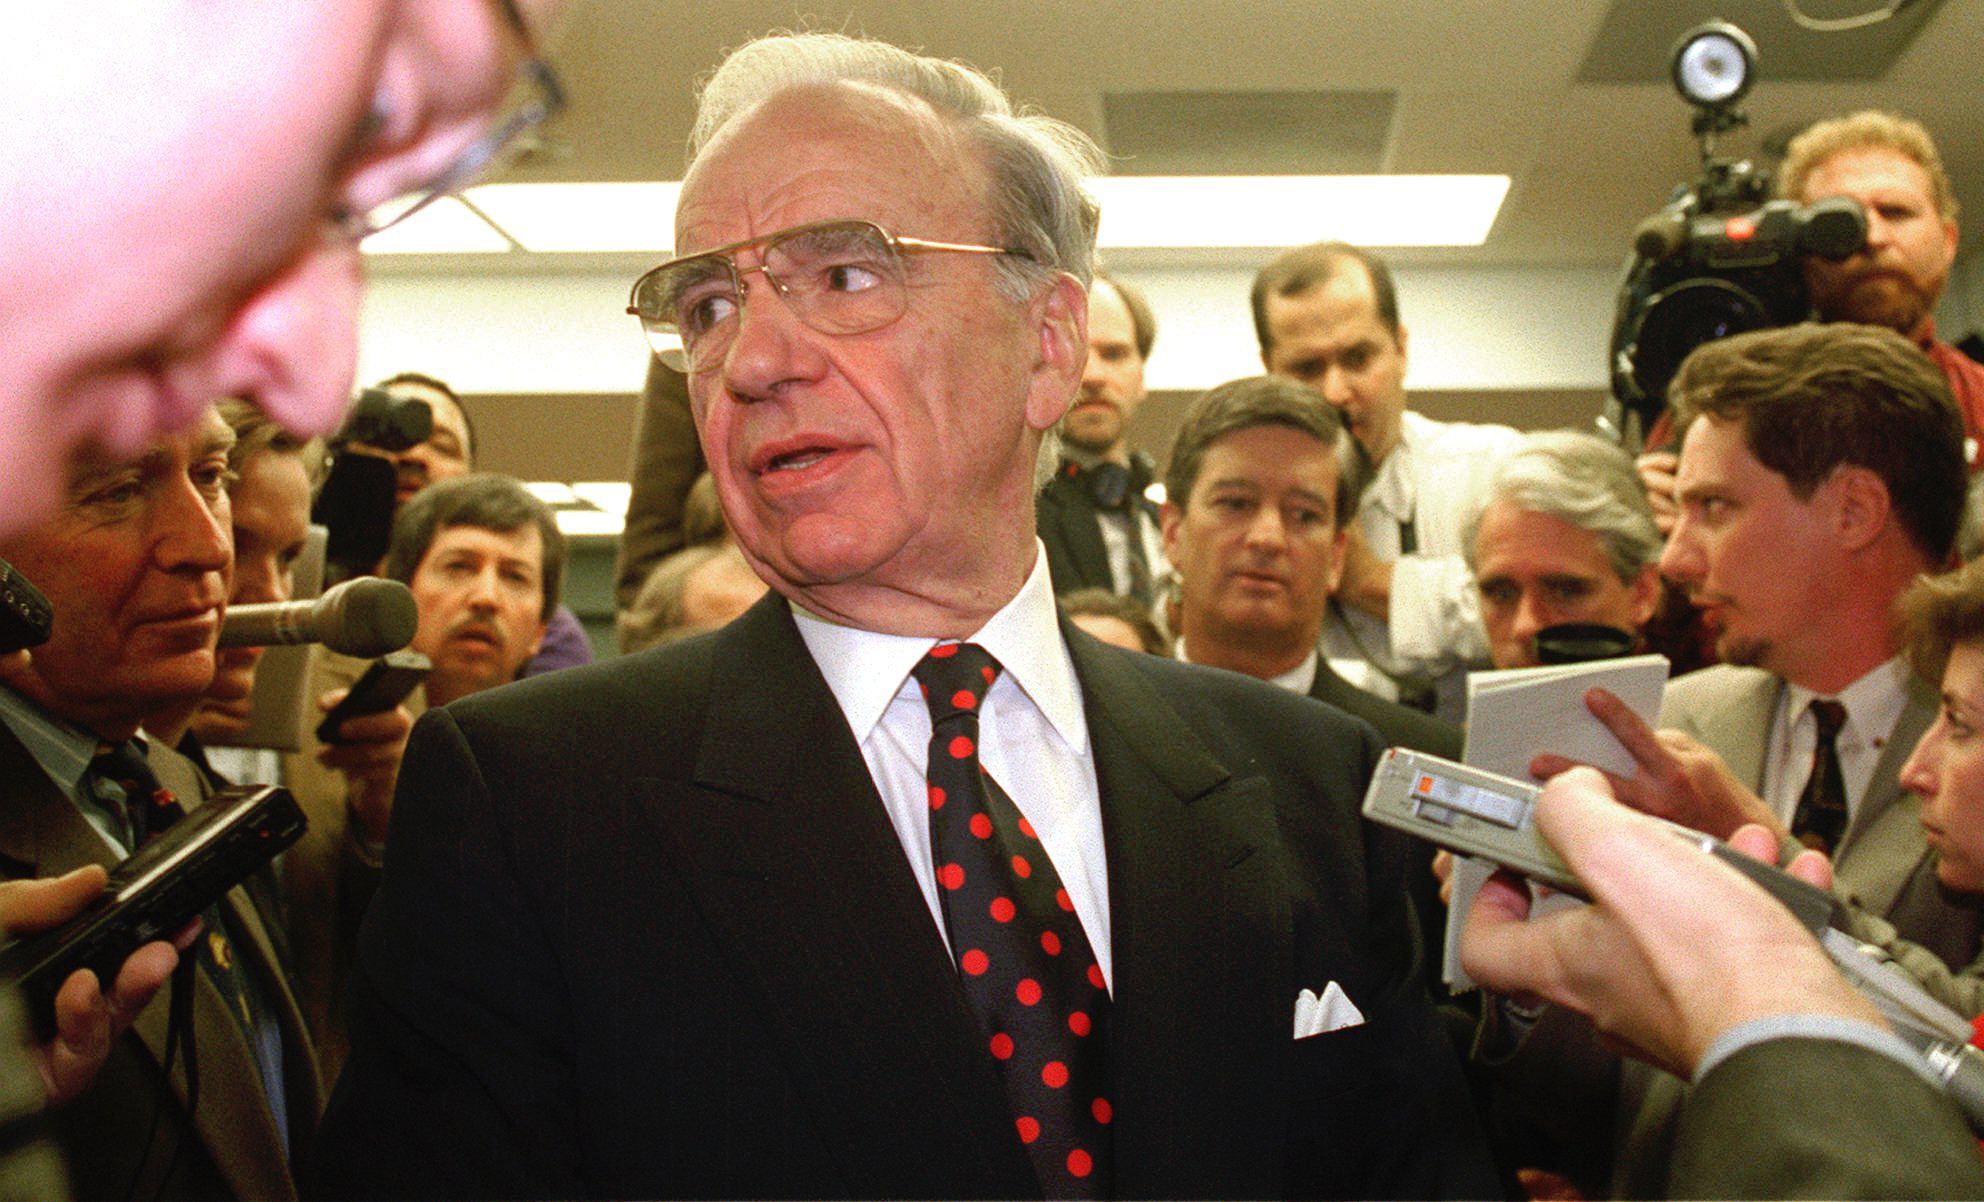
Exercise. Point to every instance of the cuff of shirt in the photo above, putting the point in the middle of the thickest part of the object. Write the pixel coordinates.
(1813, 1026)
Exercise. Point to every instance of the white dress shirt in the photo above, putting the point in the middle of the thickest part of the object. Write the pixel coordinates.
(1033, 739)
(1873, 707)
(1435, 476)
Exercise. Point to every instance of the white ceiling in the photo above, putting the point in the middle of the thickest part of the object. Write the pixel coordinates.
(1445, 86)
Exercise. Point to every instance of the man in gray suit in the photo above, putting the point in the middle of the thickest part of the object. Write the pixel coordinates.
(1821, 472)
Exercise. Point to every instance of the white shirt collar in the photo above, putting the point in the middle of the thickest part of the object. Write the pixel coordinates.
(1392, 488)
(865, 670)
(1873, 703)
(1298, 679)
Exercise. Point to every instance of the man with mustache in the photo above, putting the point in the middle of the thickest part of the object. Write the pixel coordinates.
(1099, 529)
(448, 453)
(483, 558)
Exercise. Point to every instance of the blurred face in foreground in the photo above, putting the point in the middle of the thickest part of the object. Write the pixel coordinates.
(175, 173)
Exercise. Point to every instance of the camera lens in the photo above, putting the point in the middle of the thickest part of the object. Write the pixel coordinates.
(1682, 318)
(1581, 642)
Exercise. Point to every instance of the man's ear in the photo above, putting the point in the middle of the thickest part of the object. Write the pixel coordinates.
(537, 643)
(1646, 595)
(1169, 516)
(1060, 320)
(1337, 542)
(1858, 503)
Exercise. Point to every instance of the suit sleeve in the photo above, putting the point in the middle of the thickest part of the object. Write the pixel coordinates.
(667, 459)
(456, 1086)
(1810, 1118)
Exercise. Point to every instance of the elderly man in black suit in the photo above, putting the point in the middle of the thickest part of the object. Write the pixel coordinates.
(896, 886)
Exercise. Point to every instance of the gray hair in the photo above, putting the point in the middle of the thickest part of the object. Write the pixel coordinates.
(1038, 164)
(1584, 480)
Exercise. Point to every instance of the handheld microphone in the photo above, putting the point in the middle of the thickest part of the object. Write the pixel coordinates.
(366, 617)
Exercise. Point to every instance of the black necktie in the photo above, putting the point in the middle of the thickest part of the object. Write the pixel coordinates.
(120, 779)
(1820, 819)
(1022, 956)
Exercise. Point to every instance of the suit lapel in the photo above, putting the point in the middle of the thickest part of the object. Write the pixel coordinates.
(1740, 727)
(1068, 510)
(785, 840)
(1201, 945)
(234, 1119)
(1886, 832)
(42, 833)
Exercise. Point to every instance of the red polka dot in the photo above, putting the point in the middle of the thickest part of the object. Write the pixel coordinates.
(990, 673)
(1079, 1163)
(1027, 991)
(1062, 900)
(1026, 828)
(1002, 909)
(1078, 1022)
(1054, 1073)
(1095, 976)
(1102, 1111)
(974, 962)
(936, 798)
(1029, 1129)
(951, 876)
(944, 650)
(1021, 868)
(960, 748)
(981, 825)
(1002, 1046)
(963, 699)
(1050, 943)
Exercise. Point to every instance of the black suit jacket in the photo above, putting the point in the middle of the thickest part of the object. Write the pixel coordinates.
(1065, 517)
(1398, 725)
(645, 930)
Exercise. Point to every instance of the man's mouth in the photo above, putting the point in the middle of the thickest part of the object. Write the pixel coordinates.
(793, 461)
(478, 636)
(791, 455)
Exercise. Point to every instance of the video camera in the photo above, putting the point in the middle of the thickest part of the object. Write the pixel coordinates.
(1720, 258)
(356, 501)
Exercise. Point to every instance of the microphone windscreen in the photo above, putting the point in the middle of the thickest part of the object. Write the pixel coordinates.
(367, 617)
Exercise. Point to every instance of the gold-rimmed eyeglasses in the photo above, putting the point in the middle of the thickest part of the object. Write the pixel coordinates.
(536, 97)
(839, 277)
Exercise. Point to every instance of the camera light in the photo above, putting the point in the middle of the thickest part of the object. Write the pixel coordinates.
(1713, 64)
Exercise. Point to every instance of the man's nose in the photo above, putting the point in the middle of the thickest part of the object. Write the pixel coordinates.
(292, 346)
(1682, 560)
(770, 346)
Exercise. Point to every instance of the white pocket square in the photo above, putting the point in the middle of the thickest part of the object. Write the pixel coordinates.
(1331, 1012)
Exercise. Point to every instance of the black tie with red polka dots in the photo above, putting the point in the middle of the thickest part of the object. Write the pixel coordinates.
(1025, 962)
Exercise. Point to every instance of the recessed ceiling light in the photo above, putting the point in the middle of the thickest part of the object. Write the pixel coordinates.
(1169, 212)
